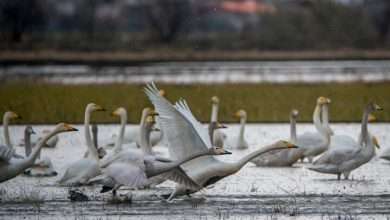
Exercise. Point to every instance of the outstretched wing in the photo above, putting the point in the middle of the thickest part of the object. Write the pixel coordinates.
(184, 133)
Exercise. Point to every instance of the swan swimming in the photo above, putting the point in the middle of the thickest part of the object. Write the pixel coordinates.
(81, 171)
(43, 166)
(178, 121)
(239, 142)
(314, 144)
(13, 167)
(286, 157)
(345, 155)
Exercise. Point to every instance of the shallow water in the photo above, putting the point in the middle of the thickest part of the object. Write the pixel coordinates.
(207, 72)
(252, 193)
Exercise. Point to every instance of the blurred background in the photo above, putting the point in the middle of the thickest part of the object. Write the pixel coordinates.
(139, 25)
(286, 52)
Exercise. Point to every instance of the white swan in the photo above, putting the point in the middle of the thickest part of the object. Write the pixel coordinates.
(218, 136)
(238, 141)
(346, 155)
(43, 166)
(7, 117)
(314, 144)
(13, 167)
(51, 143)
(186, 136)
(84, 169)
(286, 157)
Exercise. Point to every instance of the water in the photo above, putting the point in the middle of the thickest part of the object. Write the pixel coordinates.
(207, 72)
(252, 193)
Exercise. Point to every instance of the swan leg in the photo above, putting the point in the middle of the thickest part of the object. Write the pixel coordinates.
(338, 176)
(346, 175)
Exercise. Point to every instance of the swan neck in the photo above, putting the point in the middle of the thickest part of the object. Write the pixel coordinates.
(364, 127)
(6, 132)
(214, 112)
(119, 141)
(27, 143)
(95, 135)
(145, 145)
(36, 151)
(317, 120)
(165, 167)
(242, 128)
(91, 149)
(293, 130)
(325, 117)
(254, 154)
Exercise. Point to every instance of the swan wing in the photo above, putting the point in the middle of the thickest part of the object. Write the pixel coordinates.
(184, 133)
(308, 140)
(128, 174)
(338, 154)
(6, 153)
(179, 176)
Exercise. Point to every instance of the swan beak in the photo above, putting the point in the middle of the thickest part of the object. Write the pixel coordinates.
(100, 108)
(156, 129)
(70, 128)
(226, 152)
(378, 108)
(162, 92)
(221, 126)
(371, 118)
(290, 145)
(113, 114)
(376, 143)
(153, 113)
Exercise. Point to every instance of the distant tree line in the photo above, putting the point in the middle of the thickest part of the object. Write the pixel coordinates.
(304, 24)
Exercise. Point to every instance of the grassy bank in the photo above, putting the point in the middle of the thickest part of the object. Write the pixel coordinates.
(167, 54)
(43, 103)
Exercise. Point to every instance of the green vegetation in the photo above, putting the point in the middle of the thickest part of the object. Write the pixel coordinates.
(48, 103)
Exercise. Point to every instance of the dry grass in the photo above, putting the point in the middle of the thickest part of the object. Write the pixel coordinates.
(44, 103)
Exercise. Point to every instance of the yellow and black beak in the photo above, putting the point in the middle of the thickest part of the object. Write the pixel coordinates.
(100, 108)
(376, 143)
(221, 126)
(70, 128)
(226, 152)
(153, 113)
(291, 145)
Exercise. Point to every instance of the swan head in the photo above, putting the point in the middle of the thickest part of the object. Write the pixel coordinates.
(214, 100)
(375, 142)
(11, 115)
(101, 152)
(371, 118)
(119, 112)
(372, 107)
(91, 107)
(150, 123)
(294, 113)
(64, 127)
(162, 92)
(218, 151)
(29, 130)
(323, 100)
(240, 114)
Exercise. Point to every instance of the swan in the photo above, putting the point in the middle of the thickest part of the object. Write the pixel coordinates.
(282, 157)
(101, 151)
(186, 136)
(218, 136)
(239, 141)
(51, 143)
(79, 172)
(7, 117)
(314, 144)
(346, 155)
(43, 166)
(13, 167)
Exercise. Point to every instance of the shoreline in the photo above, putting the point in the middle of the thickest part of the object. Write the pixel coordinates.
(39, 57)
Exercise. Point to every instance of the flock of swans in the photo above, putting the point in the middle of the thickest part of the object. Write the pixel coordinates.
(193, 164)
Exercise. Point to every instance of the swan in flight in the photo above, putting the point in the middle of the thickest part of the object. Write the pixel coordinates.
(7, 117)
(239, 142)
(186, 136)
(81, 171)
(345, 155)
(43, 166)
(314, 144)
(13, 167)
(286, 157)
(218, 136)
